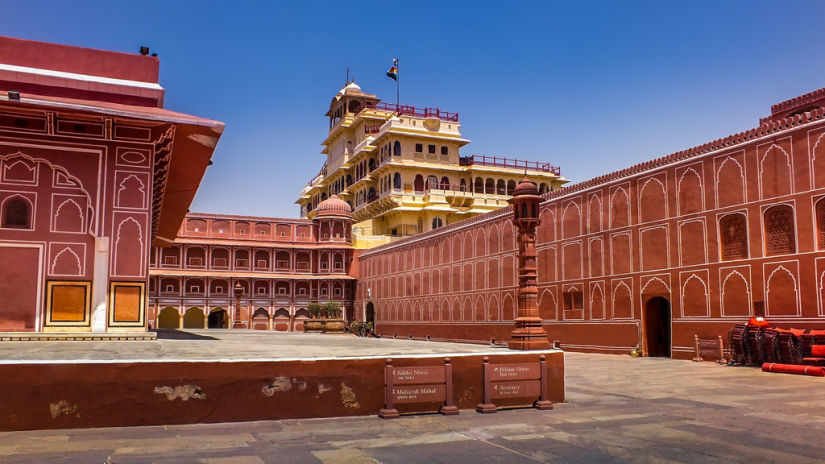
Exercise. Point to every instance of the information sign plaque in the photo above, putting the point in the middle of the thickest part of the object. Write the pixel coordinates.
(418, 384)
(509, 381)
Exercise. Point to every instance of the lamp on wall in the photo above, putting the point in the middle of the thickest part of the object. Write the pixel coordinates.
(144, 50)
(14, 95)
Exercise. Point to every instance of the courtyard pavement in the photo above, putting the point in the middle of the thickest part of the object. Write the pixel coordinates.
(619, 409)
(217, 344)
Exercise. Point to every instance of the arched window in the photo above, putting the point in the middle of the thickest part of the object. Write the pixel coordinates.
(511, 185)
(524, 210)
(349, 180)
(437, 222)
(479, 185)
(396, 148)
(432, 182)
(490, 186)
(463, 184)
(371, 164)
(445, 182)
(733, 232)
(820, 224)
(17, 213)
(500, 187)
(779, 230)
(542, 188)
(418, 183)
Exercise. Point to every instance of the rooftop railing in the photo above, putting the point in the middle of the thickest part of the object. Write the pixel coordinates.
(410, 110)
(501, 162)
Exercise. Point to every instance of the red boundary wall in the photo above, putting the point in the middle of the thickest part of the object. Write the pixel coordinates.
(715, 234)
(77, 395)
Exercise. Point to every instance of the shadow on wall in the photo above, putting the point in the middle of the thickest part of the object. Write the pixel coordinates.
(174, 334)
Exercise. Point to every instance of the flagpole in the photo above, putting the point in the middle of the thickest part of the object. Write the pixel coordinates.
(397, 88)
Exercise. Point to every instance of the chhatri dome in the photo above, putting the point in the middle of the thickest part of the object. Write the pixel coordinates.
(334, 206)
(526, 187)
(351, 88)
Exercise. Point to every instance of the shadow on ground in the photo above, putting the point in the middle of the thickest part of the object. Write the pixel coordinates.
(174, 334)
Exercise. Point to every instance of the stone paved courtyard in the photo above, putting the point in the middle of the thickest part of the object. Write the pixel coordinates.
(215, 344)
(619, 409)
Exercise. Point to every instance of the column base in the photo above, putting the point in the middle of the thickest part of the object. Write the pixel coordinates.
(543, 404)
(488, 408)
(449, 410)
(528, 339)
(388, 413)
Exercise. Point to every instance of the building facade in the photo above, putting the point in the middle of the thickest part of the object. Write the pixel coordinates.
(278, 266)
(647, 257)
(86, 155)
(399, 168)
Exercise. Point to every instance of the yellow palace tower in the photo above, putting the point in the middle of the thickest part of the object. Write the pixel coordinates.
(399, 168)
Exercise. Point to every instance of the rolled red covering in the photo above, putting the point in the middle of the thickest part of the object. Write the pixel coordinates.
(794, 369)
(818, 350)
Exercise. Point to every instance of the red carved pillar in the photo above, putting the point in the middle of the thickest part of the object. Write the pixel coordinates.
(528, 334)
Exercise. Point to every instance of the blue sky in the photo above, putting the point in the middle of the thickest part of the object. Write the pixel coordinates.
(590, 86)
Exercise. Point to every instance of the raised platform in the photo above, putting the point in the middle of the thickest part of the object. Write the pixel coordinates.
(76, 336)
(227, 376)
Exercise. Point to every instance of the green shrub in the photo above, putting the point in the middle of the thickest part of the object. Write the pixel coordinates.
(332, 310)
(314, 310)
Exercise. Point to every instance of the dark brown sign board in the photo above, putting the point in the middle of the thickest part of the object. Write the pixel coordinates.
(418, 385)
(515, 381)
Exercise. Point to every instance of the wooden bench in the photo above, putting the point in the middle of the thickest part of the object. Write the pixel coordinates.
(711, 347)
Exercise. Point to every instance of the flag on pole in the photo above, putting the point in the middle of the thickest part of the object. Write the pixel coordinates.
(393, 72)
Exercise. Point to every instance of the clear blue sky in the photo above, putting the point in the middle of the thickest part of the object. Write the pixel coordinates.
(592, 87)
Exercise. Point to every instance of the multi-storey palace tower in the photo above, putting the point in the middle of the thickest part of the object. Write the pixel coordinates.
(399, 168)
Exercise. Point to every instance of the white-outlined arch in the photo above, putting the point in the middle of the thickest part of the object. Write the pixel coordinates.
(724, 287)
(71, 254)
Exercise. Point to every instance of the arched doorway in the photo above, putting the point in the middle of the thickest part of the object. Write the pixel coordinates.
(260, 319)
(168, 318)
(218, 319)
(369, 317)
(193, 318)
(298, 321)
(657, 327)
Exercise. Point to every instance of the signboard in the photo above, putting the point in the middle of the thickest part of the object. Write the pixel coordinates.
(419, 393)
(417, 375)
(515, 381)
(418, 384)
(523, 389)
(526, 371)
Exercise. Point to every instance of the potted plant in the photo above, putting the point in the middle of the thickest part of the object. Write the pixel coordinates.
(314, 323)
(333, 323)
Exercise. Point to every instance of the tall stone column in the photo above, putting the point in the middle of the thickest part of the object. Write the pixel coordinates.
(528, 334)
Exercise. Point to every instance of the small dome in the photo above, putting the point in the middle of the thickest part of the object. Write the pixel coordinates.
(350, 88)
(334, 206)
(526, 187)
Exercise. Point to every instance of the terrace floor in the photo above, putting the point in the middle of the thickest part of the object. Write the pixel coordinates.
(235, 345)
(619, 409)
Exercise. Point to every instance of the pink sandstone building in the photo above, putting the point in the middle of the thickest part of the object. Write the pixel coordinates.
(647, 257)
(276, 266)
(91, 238)
(87, 155)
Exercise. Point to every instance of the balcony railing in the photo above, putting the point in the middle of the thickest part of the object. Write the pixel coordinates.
(372, 128)
(447, 187)
(410, 110)
(501, 162)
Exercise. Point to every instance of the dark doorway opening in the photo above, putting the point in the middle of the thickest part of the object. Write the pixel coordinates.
(370, 316)
(657, 327)
(218, 319)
